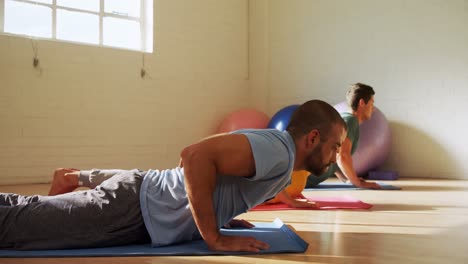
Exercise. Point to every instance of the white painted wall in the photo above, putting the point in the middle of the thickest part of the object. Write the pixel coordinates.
(90, 108)
(413, 52)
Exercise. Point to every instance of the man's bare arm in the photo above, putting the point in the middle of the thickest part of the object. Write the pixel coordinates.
(345, 163)
(223, 154)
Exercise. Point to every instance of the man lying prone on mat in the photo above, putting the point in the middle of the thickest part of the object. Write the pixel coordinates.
(360, 99)
(219, 178)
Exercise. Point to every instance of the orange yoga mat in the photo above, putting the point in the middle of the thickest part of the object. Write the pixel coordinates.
(324, 203)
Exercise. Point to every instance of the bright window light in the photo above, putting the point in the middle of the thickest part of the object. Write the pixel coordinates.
(89, 5)
(18, 19)
(42, 1)
(121, 33)
(121, 7)
(126, 24)
(79, 27)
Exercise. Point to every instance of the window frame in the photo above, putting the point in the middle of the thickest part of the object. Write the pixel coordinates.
(145, 32)
(2, 12)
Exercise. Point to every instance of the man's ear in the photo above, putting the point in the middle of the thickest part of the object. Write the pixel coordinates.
(362, 102)
(313, 138)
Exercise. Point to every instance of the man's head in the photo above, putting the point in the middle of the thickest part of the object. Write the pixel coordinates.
(318, 130)
(360, 98)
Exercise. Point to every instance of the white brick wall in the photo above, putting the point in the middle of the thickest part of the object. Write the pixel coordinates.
(90, 108)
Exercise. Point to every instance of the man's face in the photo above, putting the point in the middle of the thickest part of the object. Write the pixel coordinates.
(368, 109)
(324, 154)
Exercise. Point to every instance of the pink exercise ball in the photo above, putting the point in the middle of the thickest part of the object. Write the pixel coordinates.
(244, 118)
(375, 140)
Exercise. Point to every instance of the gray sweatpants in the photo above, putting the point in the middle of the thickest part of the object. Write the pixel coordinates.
(108, 215)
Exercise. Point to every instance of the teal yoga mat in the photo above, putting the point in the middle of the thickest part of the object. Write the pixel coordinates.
(336, 186)
(279, 236)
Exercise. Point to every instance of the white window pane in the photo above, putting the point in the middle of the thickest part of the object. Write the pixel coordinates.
(43, 1)
(77, 26)
(28, 19)
(121, 33)
(89, 5)
(123, 7)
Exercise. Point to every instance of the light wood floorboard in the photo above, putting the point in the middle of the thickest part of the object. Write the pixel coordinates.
(426, 222)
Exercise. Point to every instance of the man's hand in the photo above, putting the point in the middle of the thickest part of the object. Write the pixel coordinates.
(237, 243)
(303, 203)
(298, 202)
(301, 196)
(368, 185)
(239, 223)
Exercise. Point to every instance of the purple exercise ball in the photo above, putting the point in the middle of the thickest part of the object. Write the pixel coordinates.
(375, 140)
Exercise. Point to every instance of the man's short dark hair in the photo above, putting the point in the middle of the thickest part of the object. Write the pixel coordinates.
(357, 92)
(314, 114)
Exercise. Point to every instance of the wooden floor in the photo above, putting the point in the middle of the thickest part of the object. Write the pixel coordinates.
(426, 222)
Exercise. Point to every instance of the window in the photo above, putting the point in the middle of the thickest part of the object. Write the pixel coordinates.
(124, 24)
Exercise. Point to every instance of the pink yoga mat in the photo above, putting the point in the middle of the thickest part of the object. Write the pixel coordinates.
(324, 203)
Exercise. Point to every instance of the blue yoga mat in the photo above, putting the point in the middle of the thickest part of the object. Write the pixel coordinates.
(279, 236)
(333, 186)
